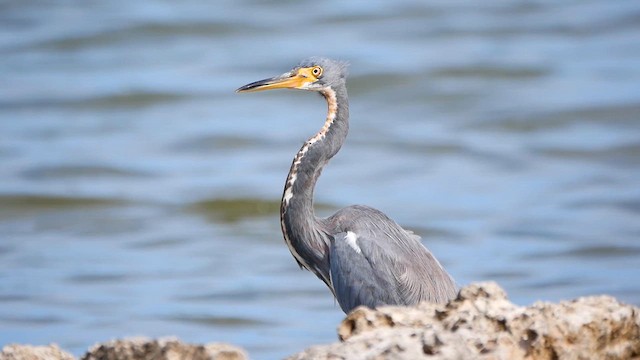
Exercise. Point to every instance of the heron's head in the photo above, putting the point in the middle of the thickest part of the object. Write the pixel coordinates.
(315, 73)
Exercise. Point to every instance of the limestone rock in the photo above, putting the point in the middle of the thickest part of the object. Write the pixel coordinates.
(482, 324)
(162, 349)
(29, 352)
(130, 349)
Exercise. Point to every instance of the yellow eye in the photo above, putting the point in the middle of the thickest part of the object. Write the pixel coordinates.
(317, 71)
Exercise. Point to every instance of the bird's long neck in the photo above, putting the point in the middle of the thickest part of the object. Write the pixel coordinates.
(300, 227)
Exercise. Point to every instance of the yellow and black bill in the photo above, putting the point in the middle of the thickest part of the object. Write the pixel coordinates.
(299, 78)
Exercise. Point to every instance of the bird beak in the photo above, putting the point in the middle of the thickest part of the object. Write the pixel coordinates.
(291, 80)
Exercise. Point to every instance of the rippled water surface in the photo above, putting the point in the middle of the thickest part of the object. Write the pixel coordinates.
(139, 194)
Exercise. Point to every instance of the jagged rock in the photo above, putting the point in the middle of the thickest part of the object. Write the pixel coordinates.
(130, 349)
(162, 349)
(482, 324)
(29, 352)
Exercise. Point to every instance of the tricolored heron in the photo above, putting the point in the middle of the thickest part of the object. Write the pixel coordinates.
(363, 256)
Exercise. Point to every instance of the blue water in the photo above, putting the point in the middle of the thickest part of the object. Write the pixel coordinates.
(139, 194)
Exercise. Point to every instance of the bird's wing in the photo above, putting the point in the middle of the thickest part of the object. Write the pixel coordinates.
(379, 268)
(354, 276)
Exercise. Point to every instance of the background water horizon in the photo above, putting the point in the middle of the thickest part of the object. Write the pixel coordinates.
(139, 194)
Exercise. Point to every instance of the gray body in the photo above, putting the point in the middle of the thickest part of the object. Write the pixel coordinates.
(363, 256)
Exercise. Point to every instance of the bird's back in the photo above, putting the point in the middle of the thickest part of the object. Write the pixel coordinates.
(374, 261)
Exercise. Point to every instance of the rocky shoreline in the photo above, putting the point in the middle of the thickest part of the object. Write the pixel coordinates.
(481, 323)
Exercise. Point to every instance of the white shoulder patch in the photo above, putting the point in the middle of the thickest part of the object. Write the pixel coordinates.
(352, 240)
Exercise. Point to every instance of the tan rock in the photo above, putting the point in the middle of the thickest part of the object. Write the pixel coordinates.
(29, 352)
(482, 324)
(162, 349)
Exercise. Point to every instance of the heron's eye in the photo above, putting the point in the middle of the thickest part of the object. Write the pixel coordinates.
(316, 71)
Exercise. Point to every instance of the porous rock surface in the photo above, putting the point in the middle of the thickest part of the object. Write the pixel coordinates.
(29, 352)
(130, 349)
(479, 324)
(482, 324)
(162, 349)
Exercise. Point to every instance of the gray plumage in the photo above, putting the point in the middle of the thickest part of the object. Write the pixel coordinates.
(363, 256)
